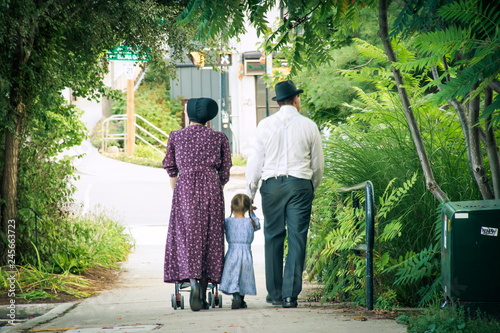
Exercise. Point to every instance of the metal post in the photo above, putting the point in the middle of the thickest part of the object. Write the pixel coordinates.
(370, 240)
(370, 236)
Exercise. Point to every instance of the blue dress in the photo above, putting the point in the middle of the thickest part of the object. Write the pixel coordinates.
(238, 275)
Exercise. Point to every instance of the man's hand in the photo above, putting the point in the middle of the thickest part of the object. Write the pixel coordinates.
(252, 207)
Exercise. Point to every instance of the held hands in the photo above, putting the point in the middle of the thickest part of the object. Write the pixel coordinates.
(252, 207)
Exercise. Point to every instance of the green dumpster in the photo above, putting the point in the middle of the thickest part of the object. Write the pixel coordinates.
(470, 251)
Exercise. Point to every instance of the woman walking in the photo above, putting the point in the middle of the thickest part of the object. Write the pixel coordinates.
(198, 161)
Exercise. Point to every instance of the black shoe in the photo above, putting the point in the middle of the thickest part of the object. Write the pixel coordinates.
(204, 305)
(290, 302)
(272, 301)
(243, 303)
(194, 297)
(236, 304)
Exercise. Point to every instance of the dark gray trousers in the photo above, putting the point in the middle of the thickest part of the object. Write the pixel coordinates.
(286, 204)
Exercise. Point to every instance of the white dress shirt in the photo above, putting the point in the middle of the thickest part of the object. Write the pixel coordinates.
(286, 143)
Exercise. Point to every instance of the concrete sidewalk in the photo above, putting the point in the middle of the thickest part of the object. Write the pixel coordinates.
(140, 301)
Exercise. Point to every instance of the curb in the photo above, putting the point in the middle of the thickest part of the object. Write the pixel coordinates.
(55, 311)
(25, 311)
(237, 170)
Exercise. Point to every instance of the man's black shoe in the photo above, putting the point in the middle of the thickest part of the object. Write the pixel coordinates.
(290, 302)
(272, 301)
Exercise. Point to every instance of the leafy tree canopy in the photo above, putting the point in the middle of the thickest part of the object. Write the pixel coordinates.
(53, 44)
(464, 28)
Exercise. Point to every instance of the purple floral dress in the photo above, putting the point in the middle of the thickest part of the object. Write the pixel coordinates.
(201, 158)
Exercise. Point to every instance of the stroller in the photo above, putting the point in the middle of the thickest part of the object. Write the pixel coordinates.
(214, 298)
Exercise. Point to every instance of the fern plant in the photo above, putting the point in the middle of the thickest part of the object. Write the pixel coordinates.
(374, 144)
(334, 242)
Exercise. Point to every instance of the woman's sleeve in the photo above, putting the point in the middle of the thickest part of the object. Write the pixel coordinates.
(169, 162)
(226, 164)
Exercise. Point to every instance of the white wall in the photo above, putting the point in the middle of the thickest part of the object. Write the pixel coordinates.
(242, 90)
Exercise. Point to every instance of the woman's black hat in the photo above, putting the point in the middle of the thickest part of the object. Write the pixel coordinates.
(203, 109)
(286, 89)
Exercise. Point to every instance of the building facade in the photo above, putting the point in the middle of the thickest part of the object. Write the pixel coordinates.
(239, 88)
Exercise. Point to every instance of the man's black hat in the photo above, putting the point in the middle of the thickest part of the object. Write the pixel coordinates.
(286, 89)
(203, 109)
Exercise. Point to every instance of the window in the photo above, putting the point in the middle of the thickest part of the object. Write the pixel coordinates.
(264, 106)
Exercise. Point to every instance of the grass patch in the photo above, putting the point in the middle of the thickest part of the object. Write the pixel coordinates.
(144, 161)
(32, 283)
(147, 156)
(143, 155)
(239, 160)
(90, 242)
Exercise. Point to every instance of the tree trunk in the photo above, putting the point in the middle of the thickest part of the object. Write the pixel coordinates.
(9, 183)
(471, 135)
(432, 186)
(478, 169)
(492, 147)
(12, 137)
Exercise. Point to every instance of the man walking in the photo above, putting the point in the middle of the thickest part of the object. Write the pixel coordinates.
(288, 158)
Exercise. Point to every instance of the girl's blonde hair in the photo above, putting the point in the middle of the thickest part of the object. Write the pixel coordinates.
(242, 203)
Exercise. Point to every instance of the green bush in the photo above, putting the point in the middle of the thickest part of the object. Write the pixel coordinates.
(145, 151)
(451, 320)
(151, 101)
(68, 247)
(239, 160)
(374, 144)
(89, 241)
(46, 177)
(338, 227)
(143, 155)
(75, 243)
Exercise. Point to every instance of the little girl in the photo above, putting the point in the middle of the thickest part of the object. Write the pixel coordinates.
(238, 276)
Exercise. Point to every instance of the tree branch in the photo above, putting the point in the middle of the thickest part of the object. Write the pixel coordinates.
(495, 86)
(304, 18)
(491, 147)
(478, 169)
(408, 112)
(363, 65)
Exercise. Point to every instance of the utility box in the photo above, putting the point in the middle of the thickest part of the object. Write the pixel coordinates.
(470, 252)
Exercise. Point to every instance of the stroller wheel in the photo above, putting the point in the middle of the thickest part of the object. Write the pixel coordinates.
(182, 302)
(220, 301)
(174, 302)
(209, 298)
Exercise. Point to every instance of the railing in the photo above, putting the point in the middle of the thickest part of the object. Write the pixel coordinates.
(142, 133)
(370, 236)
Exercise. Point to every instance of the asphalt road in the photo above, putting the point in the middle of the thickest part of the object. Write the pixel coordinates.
(140, 301)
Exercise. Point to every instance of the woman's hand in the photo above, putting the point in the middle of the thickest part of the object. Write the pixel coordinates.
(173, 181)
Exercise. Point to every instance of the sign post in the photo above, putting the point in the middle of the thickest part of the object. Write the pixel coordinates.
(130, 145)
(127, 53)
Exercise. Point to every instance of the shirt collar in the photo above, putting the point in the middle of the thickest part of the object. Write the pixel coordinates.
(287, 111)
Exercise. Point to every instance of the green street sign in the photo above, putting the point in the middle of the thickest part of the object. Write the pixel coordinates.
(127, 53)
